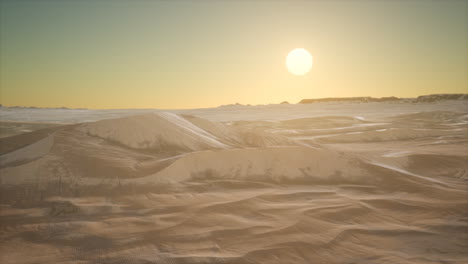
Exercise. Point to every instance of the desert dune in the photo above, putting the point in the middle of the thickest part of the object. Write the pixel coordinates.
(328, 182)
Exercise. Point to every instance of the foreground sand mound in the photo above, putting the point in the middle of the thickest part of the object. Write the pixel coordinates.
(290, 166)
(89, 150)
(273, 164)
(154, 131)
(169, 132)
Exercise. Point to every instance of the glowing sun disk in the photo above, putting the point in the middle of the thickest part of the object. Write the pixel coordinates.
(299, 61)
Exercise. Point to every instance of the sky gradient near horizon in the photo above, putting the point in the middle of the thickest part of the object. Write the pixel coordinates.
(192, 54)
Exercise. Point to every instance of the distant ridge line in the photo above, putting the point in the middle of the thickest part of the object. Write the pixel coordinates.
(367, 99)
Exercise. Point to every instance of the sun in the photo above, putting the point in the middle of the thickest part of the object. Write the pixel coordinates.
(299, 61)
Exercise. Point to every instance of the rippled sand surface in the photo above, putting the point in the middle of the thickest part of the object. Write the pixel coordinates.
(354, 184)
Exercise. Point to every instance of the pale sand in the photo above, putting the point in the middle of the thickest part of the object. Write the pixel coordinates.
(378, 185)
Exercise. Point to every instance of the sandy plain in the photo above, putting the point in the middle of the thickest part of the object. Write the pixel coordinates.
(320, 183)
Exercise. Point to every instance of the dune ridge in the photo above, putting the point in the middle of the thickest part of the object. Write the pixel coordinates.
(167, 131)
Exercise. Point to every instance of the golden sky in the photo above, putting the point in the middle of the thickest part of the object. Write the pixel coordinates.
(191, 54)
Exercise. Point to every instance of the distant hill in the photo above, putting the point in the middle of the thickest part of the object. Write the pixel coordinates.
(350, 99)
(35, 107)
(440, 97)
(367, 99)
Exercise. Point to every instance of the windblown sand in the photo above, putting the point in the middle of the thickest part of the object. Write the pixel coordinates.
(357, 183)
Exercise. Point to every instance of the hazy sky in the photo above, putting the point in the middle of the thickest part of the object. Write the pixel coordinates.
(187, 54)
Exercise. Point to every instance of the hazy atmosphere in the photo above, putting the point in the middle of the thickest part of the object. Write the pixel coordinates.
(234, 132)
(191, 54)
